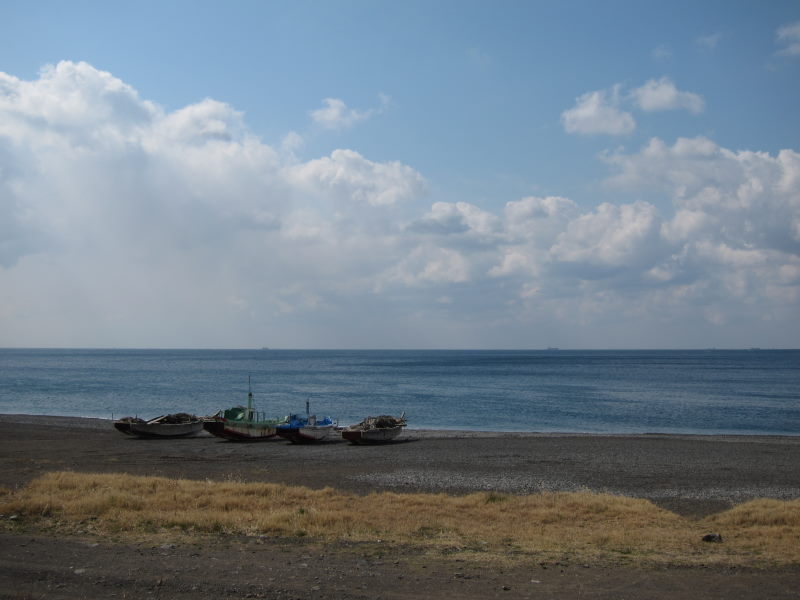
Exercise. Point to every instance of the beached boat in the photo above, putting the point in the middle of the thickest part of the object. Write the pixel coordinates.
(166, 426)
(243, 423)
(375, 430)
(303, 429)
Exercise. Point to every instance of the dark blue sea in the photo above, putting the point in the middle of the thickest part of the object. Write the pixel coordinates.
(708, 392)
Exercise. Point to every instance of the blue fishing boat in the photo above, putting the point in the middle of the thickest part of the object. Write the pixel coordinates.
(307, 428)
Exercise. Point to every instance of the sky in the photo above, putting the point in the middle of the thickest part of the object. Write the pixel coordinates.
(418, 174)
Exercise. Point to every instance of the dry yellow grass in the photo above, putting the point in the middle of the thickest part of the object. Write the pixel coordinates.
(582, 526)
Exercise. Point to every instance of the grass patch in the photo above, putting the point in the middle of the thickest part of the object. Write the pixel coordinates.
(585, 526)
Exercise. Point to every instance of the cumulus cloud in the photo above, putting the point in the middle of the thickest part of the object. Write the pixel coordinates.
(788, 36)
(662, 94)
(734, 234)
(104, 188)
(125, 224)
(336, 114)
(347, 175)
(728, 252)
(539, 219)
(78, 101)
(739, 197)
(531, 226)
(603, 111)
(598, 112)
(429, 264)
(459, 218)
(611, 236)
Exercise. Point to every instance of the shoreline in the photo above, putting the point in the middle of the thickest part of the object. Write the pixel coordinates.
(687, 474)
(103, 423)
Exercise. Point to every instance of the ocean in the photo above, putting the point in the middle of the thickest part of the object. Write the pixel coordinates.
(675, 391)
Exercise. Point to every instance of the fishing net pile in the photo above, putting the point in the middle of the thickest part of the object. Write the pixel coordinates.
(177, 418)
(380, 422)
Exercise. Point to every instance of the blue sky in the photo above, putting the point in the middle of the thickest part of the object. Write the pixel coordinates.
(417, 174)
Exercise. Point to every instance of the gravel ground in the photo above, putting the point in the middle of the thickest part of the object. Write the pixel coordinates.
(691, 475)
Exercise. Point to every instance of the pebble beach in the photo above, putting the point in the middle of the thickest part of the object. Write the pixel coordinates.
(690, 475)
(694, 476)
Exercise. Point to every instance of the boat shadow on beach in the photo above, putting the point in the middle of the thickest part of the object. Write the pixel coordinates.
(343, 442)
(395, 442)
(205, 438)
(164, 440)
(246, 442)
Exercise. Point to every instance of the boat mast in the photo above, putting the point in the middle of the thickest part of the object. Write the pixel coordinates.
(249, 399)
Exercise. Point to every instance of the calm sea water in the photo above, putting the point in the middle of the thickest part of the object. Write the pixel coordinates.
(744, 392)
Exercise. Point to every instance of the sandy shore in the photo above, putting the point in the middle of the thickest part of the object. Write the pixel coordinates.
(692, 475)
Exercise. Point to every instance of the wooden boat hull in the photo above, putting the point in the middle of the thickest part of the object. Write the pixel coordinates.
(371, 436)
(241, 432)
(305, 435)
(159, 430)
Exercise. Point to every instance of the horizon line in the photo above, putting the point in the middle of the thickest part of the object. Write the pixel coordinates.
(403, 349)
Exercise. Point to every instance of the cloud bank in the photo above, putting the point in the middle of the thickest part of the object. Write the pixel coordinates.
(122, 224)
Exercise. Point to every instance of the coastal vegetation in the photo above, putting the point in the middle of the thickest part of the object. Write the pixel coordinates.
(485, 526)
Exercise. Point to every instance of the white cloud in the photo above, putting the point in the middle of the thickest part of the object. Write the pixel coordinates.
(76, 100)
(686, 224)
(459, 218)
(734, 236)
(602, 111)
(528, 214)
(538, 221)
(612, 236)
(108, 192)
(427, 264)
(445, 265)
(598, 112)
(512, 262)
(291, 143)
(750, 197)
(710, 41)
(531, 226)
(663, 95)
(199, 124)
(661, 52)
(788, 36)
(658, 164)
(348, 176)
(336, 115)
(123, 224)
